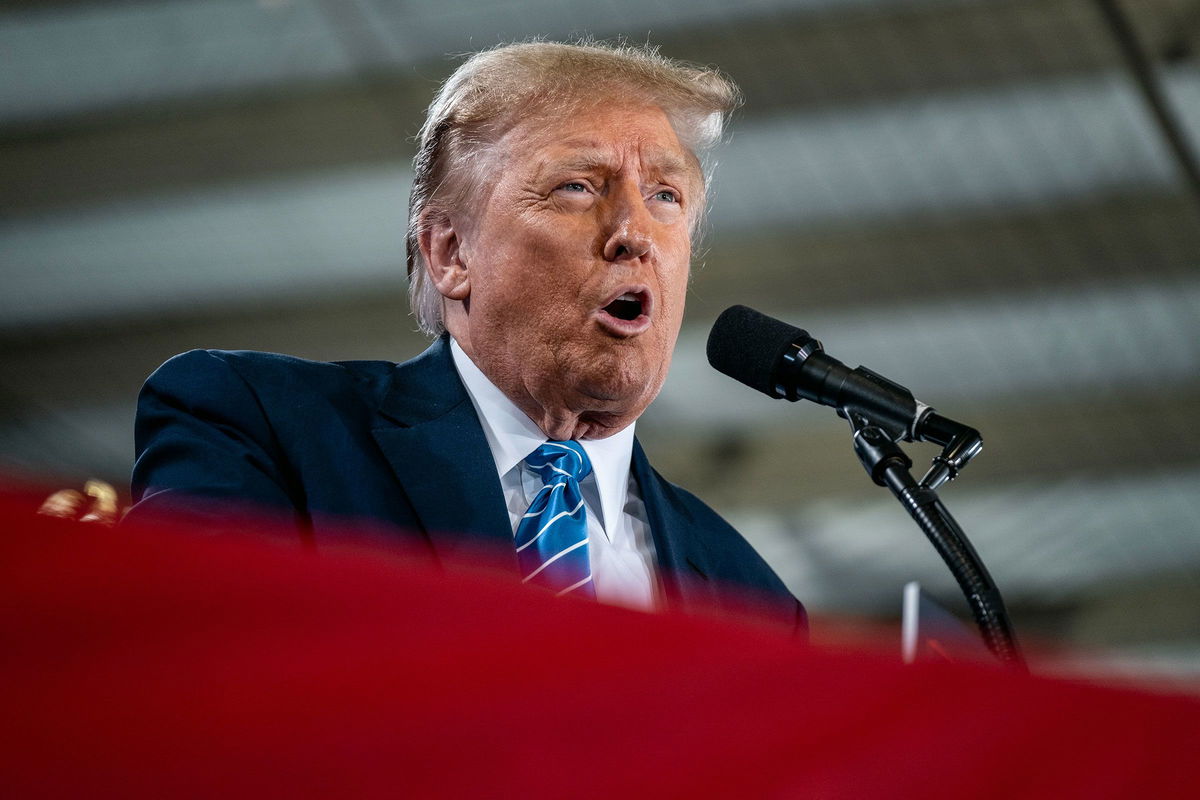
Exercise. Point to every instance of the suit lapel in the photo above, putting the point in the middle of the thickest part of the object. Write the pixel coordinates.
(434, 444)
(683, 561)
(432, 439)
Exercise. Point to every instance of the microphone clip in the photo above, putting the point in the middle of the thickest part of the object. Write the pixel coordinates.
(875, 448)
(877, 444)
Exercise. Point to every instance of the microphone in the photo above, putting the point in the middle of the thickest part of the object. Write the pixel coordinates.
(781, 360)
(784, 361)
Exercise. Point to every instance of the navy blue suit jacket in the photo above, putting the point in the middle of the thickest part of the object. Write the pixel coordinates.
(398, 444)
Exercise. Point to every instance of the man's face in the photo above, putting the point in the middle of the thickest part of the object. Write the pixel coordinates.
(577, 260)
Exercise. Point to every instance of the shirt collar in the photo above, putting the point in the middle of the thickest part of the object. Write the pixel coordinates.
(512, 436)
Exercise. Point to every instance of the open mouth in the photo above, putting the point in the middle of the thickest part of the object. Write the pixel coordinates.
(627, 314)
(627, 307)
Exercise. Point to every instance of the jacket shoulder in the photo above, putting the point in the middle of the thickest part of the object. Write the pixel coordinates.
(240, 424)
(197, 368)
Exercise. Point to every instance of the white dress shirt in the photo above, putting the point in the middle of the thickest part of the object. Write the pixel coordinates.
(620, 547)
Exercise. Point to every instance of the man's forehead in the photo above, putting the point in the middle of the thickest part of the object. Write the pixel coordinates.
(590, 152)
(594, 128)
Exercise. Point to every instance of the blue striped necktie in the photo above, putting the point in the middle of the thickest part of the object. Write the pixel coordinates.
(552, 537)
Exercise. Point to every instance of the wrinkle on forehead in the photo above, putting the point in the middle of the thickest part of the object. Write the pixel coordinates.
(591, 156)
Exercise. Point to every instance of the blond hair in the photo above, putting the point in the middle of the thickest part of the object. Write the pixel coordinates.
(494, 89)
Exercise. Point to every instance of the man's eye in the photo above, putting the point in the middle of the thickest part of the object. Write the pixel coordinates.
(574, 186)
(666, 195)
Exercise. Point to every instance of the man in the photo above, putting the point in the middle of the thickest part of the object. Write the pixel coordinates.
(556, 191)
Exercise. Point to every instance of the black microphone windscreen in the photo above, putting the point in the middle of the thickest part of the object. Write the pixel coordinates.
(746, 345)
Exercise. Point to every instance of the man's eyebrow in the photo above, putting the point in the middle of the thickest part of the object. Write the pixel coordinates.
(664, 162)
(586, 161)
(672, 164)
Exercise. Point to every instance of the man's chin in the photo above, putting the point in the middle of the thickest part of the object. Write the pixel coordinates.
(614, 401)
(600, 426)
(614, 376)
(610, 386)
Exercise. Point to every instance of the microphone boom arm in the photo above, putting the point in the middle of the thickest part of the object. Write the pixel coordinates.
(888, 466)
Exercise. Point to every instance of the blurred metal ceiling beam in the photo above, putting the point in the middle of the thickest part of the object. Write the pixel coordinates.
(298, 236)
(879, 165)
(787, 56)
(162, 149)
(90, 57)
(950, 257)
(1181, 34)
(1154, 94)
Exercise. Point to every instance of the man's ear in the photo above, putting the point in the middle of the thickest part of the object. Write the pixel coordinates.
(441, 247)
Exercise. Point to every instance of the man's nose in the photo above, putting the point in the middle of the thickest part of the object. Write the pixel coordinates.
(629, 226)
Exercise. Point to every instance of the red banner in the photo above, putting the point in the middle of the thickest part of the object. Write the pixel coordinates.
(168, 663)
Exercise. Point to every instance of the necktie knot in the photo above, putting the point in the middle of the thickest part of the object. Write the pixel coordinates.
(556, 460)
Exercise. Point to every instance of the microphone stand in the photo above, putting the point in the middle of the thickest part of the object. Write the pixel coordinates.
(889, 466)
